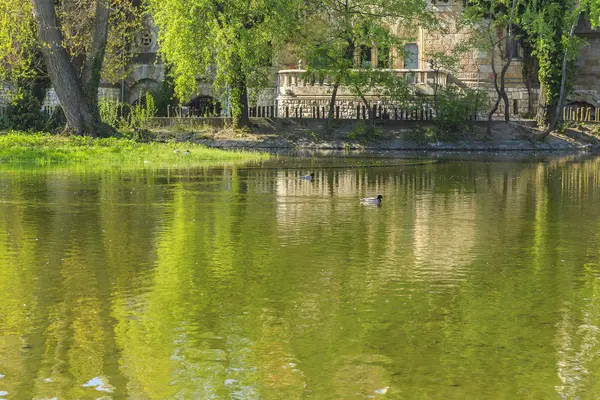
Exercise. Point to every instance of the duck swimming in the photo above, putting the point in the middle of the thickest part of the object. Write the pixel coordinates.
(372, 200)
(308, 177)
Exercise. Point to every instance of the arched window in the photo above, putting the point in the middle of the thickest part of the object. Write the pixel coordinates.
(411, 56)
(383, 57)
(365, 56)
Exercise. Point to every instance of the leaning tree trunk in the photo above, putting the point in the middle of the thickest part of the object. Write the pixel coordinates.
(90, 76)
(557, 114)
(495, 80)
(73, 101)
(503, 90)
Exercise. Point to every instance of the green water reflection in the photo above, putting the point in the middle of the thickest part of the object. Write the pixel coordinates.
(473, 279)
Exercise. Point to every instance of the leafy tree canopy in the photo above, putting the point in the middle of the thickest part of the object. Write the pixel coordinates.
(228, 42)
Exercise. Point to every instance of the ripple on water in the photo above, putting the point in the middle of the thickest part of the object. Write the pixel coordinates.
(471, 279)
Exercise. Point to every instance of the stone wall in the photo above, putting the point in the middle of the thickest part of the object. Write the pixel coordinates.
(475, 66)
(290, 106)
(350, 108)
(587, 85)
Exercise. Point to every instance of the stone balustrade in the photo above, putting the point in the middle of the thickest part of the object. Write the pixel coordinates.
(296, 82)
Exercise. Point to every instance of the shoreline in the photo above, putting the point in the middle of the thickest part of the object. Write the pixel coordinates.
(397, 145)
(390, 136)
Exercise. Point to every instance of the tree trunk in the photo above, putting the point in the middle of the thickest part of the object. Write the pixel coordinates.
(331, 112)
(503, 90)
(239, 98)
(369, 110)
(509, 57)
(543, 106)
(557, 114)
(74, 103)
(495, 80)
(529, 72)
(500, 91)
(90, 76)
(436, 88)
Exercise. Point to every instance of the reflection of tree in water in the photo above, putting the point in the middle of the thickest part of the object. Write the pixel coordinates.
(577, 340)
(245, 284)
(449, 222)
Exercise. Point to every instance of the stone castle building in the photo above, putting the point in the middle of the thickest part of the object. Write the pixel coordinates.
(474, 70)
(290, 90)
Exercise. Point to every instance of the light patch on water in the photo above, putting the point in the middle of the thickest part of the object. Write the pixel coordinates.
(382, 390)
(99, 384)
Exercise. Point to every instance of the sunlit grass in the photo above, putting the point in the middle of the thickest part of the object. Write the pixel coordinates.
(39, 149)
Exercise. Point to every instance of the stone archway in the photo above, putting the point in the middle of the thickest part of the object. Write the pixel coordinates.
(205, 106)
(580, 111)
(139, 89)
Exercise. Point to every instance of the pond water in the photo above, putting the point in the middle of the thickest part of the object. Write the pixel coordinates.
(474, 279)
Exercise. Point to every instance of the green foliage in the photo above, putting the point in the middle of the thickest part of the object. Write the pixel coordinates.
(125, 24)
(44, 149)
(545, 27)
(334, 41)
(233, 41)
(364, 133)
(23, 113)
(124, 116)
(110, 111)
(164, 96)
(17, 39)
(457, 107)
(142, 113)
(422, 136)
(19, 47)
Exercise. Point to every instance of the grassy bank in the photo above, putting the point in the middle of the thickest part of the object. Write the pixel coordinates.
(18, 148)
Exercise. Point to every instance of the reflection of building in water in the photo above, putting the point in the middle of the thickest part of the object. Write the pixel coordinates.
(577, 346)
(580, 179)
(346, 186)
(342, 182)
(445, 232)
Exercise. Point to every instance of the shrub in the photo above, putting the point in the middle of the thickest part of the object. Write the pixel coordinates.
(124, 116)
(24, 112)
(456, 108)
(364, 133)
(142, 112)
(110, 111)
